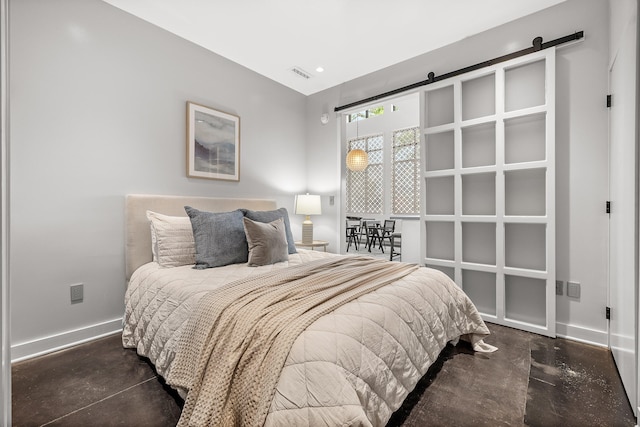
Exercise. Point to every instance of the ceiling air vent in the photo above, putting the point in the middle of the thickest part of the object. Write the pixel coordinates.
(300, 72)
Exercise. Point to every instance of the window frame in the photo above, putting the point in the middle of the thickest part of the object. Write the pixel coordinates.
(399, 113)
(364, 143)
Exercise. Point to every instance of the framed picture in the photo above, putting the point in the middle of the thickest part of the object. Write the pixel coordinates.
(213, 143)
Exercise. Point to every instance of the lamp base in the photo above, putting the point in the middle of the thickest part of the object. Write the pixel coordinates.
(307, 232)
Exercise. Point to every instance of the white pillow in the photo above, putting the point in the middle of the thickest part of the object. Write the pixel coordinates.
(172, 240)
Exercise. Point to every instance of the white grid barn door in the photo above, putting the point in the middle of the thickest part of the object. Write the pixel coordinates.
(488, 193)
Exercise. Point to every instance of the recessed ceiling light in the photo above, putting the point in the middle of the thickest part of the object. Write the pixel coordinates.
(319, 69)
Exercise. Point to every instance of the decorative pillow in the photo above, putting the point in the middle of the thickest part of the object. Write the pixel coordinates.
(171, 240)
(267, 242)
(219, 237)
(268, 216)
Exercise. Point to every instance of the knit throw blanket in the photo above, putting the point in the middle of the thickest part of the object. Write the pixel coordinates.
(237, 339)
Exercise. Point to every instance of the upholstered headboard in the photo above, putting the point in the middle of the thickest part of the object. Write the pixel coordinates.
(138, 234)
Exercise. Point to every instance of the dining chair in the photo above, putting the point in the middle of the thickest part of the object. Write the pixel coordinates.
(374, 235)
(396, 242)
(386, 233)
(352, 231)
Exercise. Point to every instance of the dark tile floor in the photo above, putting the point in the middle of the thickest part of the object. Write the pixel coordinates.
(531, 380)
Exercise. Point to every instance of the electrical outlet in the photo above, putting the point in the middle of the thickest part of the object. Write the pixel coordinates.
(559, 287)
(77, 293)
(573, 289)
(332, 200)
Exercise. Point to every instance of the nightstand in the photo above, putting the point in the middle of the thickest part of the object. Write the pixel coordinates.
(315, 244)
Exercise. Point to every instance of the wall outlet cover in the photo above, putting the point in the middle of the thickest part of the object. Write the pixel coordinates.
(77, 293)
(559, 287)
(573, 289)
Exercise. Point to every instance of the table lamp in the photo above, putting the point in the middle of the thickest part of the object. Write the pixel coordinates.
(307, 205)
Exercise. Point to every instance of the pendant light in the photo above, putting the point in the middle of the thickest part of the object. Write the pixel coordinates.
(357, 159)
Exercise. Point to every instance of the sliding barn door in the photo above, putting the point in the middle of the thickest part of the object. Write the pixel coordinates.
(488, 199)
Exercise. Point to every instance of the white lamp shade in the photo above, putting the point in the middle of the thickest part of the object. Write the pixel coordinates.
(307, 204)
(357, 160)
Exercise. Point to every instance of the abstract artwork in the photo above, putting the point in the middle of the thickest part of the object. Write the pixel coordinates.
(213, 143)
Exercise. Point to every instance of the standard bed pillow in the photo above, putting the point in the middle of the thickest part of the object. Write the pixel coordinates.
(267, 242)
(219, 237)
(268, 216)
(171, 240)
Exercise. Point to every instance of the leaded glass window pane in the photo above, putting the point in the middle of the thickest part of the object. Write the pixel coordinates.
(406, 171)
(365, 189)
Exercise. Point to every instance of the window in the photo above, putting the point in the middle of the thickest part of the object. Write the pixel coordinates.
(365, 114)
(365, 189)
(406, 171)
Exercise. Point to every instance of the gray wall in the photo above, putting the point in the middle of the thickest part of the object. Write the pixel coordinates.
(581, 141)
(98, 104)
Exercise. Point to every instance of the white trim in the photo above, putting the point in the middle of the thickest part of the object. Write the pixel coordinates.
(5, 331)
(582, 334)
(41, 346)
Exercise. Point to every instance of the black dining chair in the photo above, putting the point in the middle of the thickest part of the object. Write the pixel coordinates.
(386, 233)
(374, 235)
(396, 242)
(352, 232)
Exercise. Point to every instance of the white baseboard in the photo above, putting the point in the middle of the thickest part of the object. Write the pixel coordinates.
(584, 335)
(40, 346)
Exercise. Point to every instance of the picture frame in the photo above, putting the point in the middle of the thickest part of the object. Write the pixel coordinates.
(213, 143)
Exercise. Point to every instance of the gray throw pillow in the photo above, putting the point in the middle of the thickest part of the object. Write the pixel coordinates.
(268, 216)
(219, 238)
(267, 242)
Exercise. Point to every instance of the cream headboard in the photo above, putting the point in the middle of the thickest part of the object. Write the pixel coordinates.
(138, 234)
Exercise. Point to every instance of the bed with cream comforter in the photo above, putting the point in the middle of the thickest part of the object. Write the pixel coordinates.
(352, 366)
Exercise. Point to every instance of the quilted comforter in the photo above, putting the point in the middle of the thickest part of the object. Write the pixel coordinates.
(353, 366)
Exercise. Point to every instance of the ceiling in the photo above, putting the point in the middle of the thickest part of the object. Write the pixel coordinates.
(348, 38)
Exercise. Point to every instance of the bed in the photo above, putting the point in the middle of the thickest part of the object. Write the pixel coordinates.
(349, 360)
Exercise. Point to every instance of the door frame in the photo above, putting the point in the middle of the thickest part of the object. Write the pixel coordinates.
(615, 339)
(5, 356)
